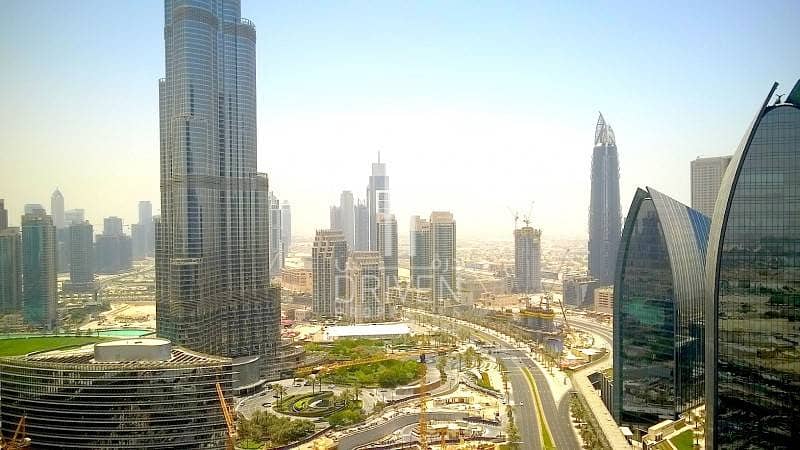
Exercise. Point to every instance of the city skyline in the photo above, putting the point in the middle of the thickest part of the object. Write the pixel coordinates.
(429, 110)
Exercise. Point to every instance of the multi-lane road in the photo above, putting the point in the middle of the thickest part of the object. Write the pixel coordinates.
(557, 415)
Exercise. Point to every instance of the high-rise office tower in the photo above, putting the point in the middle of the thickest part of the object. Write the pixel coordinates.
(212, 265)
(752, 288)
(146, 228)
(420, 253)
(347, 215)
(81, 251)
(443, 258)
(658, 311)
(112, 226)
(377, 199)
(329, 264)
(528, 260)
(10, 270)
(112, 253)
(336, 218)
(605, 220)
(387, 247)
(275, 231)
(3, 215)
(34, 208)
(74, 216)
(361, 217)
(39, 282)
(139, 241)
(113, 249)
(286, 227)
(57, 208)
(706, 177)
(366, 291)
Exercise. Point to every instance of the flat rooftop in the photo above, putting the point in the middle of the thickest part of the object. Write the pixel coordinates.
(377, 329)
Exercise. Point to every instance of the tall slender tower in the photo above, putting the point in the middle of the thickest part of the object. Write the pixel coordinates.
(346, 217)
(147, 231)
(212, 269)
(275, 247)
(81, 252)
(528, 260)
(377, 199)
(286, 226)
(420, 253)
(443, 258)
(605, 219)
(57, 208)
(329, 263)
(387, 246)
(3, 215)
(39, 283)
(361, 226)
(10, 270)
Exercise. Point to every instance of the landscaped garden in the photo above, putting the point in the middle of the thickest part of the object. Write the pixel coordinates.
(23, 346)
(270, 429)
(339, 410)
(388, 373)
(320, 404)
(348, 349)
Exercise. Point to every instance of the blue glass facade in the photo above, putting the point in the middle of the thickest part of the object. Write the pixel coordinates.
(658, 311)
(753, 288)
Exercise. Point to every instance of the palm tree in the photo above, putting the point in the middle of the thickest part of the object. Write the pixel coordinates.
(280, 390)
(356, 390)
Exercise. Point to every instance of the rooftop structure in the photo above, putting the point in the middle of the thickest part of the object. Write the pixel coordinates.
(375, 331)
(139, 393)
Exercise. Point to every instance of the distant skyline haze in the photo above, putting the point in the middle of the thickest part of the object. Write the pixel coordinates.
(474, 107)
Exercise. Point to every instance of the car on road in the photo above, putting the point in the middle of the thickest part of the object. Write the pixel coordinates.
(267, 405)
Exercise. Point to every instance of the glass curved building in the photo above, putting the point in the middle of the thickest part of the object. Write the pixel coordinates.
(753, 288)
(658, 311)
(130, 394)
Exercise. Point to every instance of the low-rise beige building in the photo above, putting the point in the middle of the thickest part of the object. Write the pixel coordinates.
(297, 280)
(604, 300)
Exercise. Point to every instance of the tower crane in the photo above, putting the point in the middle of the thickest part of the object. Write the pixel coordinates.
(19, 441)
(230, 444)
(548, 295)
(515, 215)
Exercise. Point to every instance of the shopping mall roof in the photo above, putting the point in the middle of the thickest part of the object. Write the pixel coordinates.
(375, 330)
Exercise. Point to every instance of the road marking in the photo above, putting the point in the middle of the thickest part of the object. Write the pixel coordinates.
(546, 436)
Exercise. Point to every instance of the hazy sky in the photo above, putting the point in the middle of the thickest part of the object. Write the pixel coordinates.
(475, 106)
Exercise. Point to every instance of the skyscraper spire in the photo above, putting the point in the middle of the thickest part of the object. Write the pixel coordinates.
(605, 219)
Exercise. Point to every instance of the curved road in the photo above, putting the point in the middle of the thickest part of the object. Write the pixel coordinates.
(557, 415)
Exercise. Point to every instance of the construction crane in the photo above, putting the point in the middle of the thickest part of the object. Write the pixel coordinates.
(526, 219)
(515, 215)
(548, 295)
(443, 437)
(18, 441)
(423, 412)
(229, 422)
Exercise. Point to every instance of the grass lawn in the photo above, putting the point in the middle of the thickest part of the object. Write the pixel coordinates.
(22, 346)
(683, 441)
